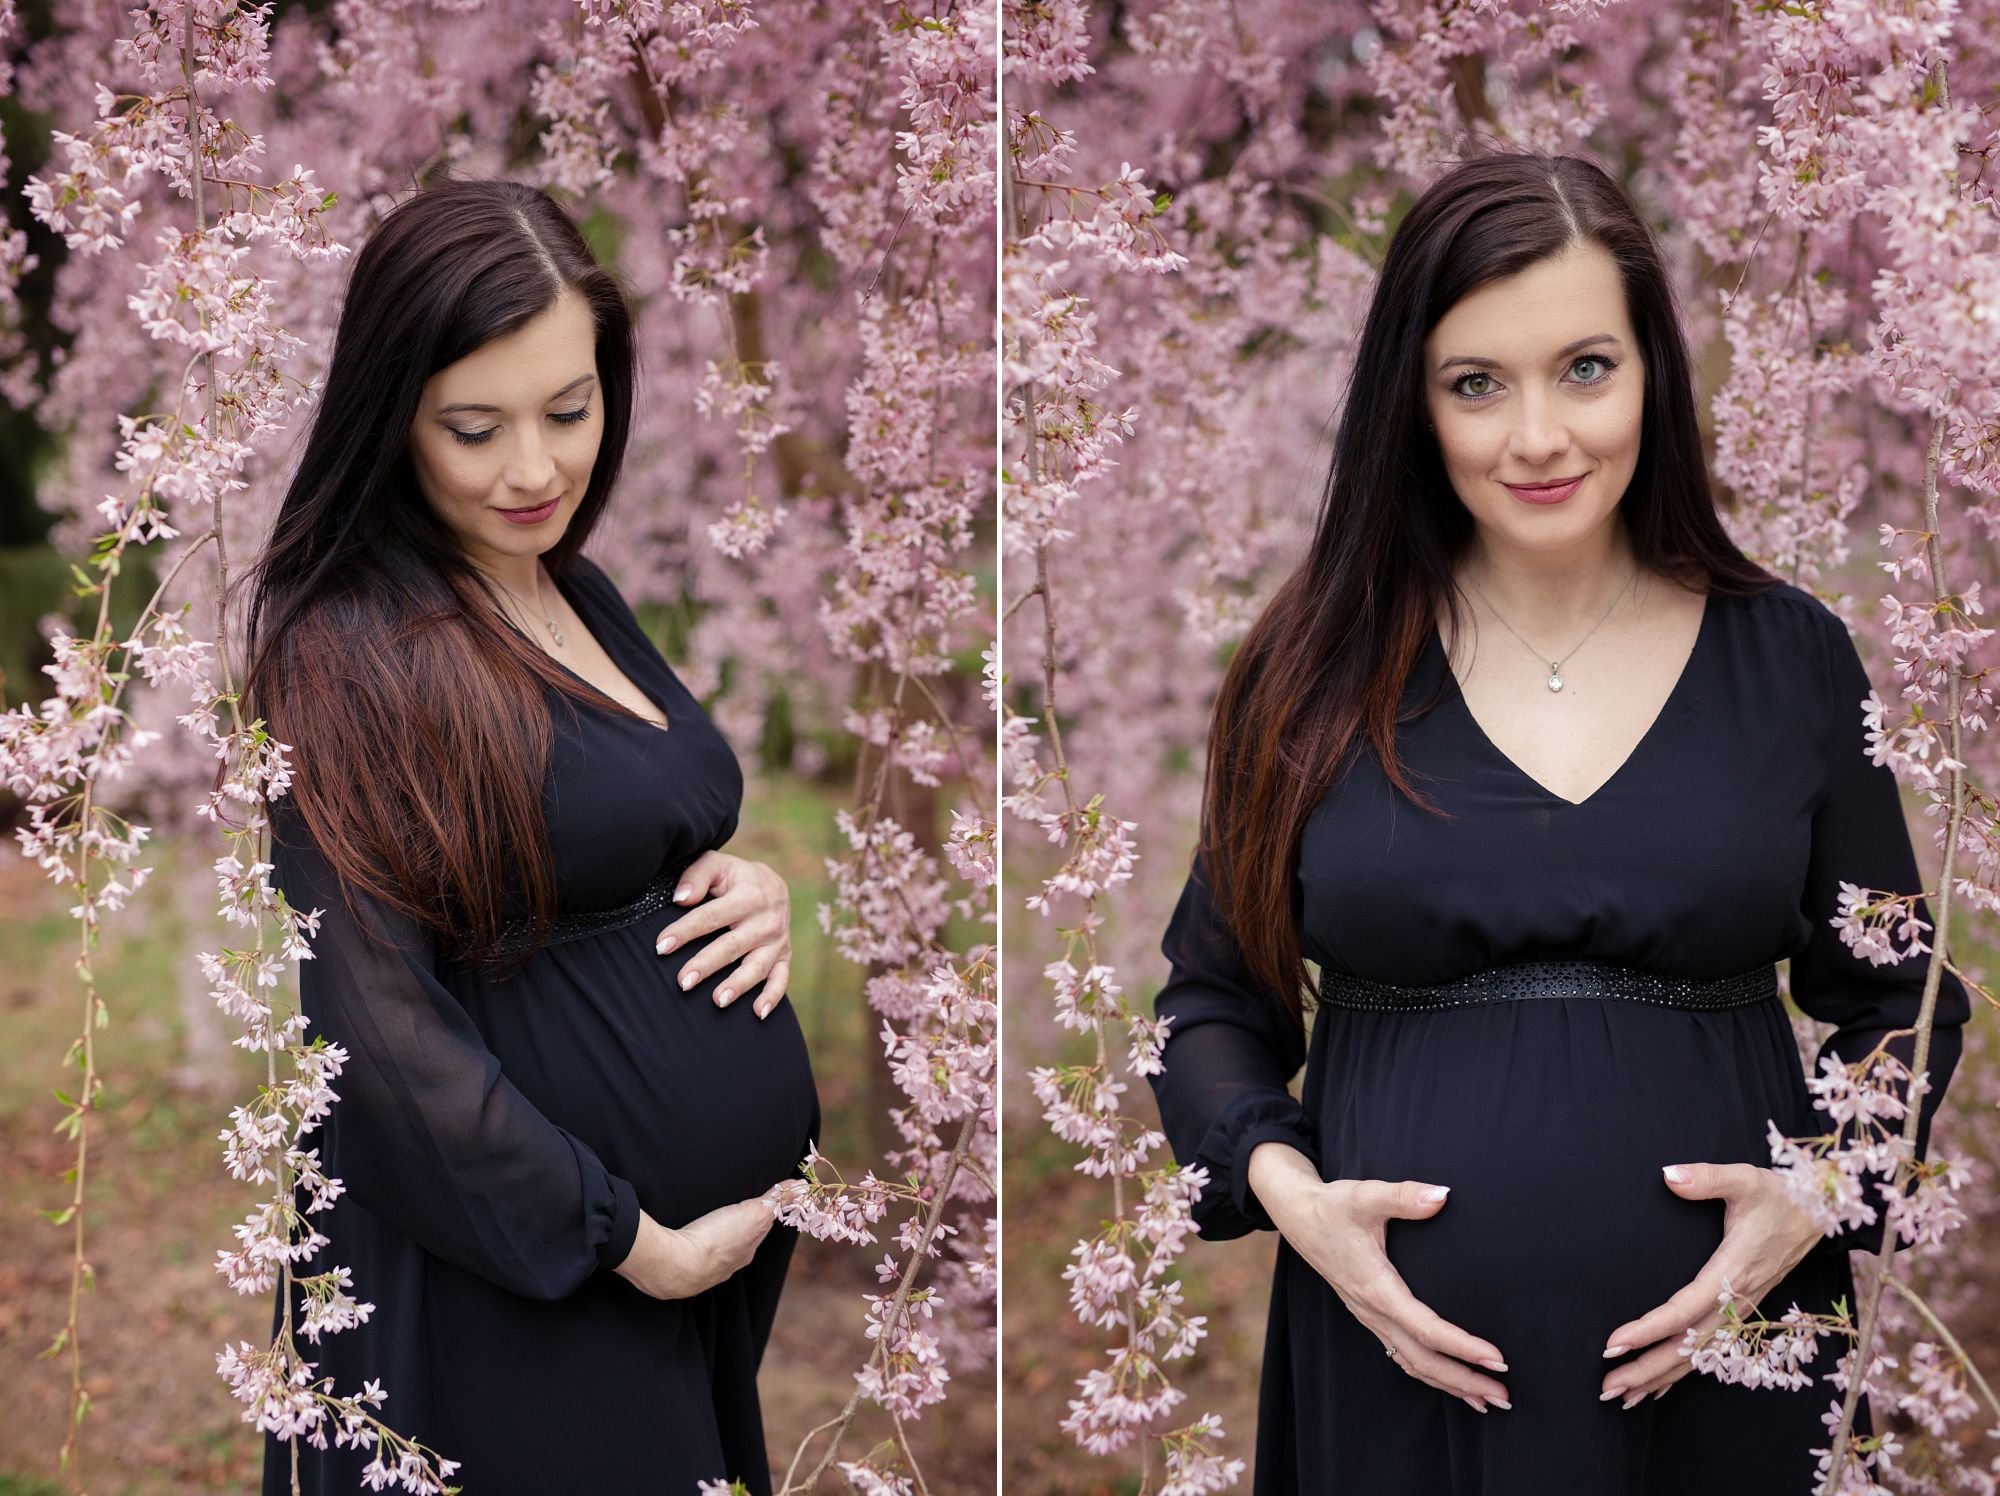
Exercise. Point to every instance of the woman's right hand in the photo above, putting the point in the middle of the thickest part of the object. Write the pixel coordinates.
(669, 1263)
(1340, 1228)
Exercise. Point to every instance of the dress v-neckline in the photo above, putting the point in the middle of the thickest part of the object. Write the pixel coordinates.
(1653, 728)
(598, 632)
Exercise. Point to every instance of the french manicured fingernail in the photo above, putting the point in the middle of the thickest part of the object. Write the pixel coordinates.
(1475, 1404)
(1637, 1397)
(1501, 1402)
(1607, 1396)
(681, 893)
(1676, 1173)
(1435, 1192)
(1660, 1394)
(1494, 1365)
(689, 978)
(667, 943)
(722, 998)
(1615, 1350)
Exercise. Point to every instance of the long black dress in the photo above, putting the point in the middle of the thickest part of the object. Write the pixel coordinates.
(499, 1139)
(1717, 846)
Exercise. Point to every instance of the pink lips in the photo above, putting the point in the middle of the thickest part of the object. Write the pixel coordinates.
(1545, 493)
(530, 516)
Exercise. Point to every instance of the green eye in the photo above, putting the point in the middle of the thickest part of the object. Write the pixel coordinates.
(1474, 396)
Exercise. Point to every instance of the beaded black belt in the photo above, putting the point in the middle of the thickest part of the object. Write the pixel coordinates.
(1531, 979)
(657, 895)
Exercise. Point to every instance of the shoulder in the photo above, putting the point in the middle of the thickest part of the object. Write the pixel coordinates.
(1790, 653)
(587, 573)
(1836, 682)
(589, 579)
(1796, 602)
(1798, 625)
(605, 605)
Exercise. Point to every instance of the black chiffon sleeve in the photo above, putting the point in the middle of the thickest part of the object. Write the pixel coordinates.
(428, 1134)
(1230, 1053)
(1860, 836)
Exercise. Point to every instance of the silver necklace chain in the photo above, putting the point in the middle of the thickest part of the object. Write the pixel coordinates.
(554, 632)
(1555, 665)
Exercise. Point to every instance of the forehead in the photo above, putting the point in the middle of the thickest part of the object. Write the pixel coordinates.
(1525, 317)
(525, 366)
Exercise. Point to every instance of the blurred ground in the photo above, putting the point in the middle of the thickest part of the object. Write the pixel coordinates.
(161, 1203)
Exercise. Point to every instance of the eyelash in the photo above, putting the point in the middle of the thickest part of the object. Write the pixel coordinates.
(476, 438)
(1582, 358)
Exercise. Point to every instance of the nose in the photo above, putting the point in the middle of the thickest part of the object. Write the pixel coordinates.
(531, 466)
(1539, 435)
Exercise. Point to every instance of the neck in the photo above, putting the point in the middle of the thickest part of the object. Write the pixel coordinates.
(1550, 591)
(520, 577)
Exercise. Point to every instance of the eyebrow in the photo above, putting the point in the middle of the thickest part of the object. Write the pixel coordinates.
(1562, 352)
(445, 410)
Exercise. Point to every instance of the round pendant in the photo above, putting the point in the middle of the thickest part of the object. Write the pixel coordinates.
(1555, 683)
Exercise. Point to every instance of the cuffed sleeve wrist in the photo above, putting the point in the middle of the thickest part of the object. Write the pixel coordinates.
(1228, 1207)
(1232, 1049)
(617, 1246)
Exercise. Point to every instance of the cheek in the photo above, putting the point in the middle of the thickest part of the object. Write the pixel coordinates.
(1619, 423)
(1467, 448)
(580, 455)
(456, 475)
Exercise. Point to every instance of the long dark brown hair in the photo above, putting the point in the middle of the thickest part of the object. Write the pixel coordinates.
(1326, 663)
(377, 650)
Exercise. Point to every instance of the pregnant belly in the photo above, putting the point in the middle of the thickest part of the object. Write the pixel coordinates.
(1550, 1119)
(698, 1106)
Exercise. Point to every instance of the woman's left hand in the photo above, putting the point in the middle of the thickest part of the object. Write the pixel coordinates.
(1765, 1234)
(751, 901)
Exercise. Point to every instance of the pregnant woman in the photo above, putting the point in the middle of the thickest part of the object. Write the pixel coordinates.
(570, 1077)
(1545, 776)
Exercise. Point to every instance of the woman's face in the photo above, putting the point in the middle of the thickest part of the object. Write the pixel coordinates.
(513, 428)
(1536, 378)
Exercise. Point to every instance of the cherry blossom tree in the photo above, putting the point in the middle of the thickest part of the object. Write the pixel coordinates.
(1196, 199)
(799, 197)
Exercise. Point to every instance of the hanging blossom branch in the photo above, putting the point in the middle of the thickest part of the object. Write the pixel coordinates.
(922, 479)
(1927, 1214)
(232, 390)
(1060, 433)
(1833, 153)
(655, 53)
(912, 487)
